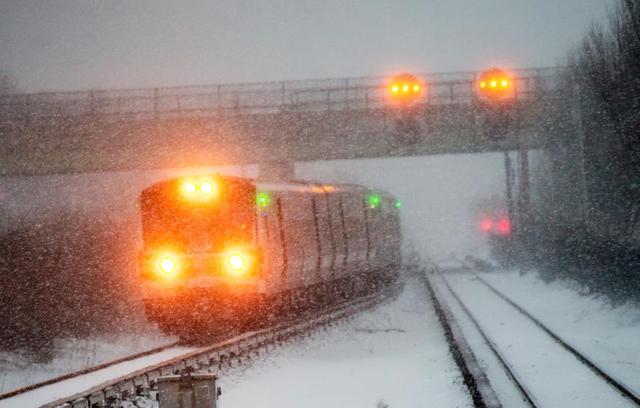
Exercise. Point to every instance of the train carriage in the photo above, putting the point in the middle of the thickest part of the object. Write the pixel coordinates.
(221, 250)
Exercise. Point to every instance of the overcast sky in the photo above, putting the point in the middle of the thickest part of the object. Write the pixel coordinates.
(80, 44)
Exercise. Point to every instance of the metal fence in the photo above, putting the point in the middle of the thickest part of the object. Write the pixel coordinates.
(360, 93)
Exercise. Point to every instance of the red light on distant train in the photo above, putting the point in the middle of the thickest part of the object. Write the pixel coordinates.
(486, 225)
(504, 226)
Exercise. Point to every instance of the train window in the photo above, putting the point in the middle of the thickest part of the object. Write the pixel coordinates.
(345, 235)
(318, 233)
(283, 238)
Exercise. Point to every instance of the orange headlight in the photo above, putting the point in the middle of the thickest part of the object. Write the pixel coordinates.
(200, 190)
(238, 263)
(167, 265)
(189, 187)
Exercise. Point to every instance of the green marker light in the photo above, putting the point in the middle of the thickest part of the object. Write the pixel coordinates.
(398, 204)
(373, 200)
(263, 199)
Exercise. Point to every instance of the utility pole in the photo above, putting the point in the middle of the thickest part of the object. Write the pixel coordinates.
(524, 199)
(509, 180)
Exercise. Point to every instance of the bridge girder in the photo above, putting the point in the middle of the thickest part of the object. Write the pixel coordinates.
(58, 133)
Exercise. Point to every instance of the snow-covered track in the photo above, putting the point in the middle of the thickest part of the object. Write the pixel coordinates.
(618, 385)
(537, 355)
(128, 384)
(511, 373)
(474, 378)
(85, 371)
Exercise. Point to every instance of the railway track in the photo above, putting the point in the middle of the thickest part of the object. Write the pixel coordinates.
(547, 359)
(87, 370)
(126, 379)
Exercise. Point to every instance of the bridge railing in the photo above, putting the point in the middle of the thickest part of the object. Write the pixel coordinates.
(360, 93)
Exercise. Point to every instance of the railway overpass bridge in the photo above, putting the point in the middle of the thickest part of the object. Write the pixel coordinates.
(108, 130)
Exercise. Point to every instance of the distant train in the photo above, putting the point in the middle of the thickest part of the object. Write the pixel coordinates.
(223, 251)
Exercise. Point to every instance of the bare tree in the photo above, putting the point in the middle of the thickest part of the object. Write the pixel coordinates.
(603, 86)
(8, 83)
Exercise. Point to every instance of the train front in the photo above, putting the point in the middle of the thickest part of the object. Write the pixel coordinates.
(199, 263)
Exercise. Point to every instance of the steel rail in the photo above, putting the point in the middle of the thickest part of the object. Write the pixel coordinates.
(87, 370)
(524, 391)
(616, 384)
(217, 355)
(473, 374)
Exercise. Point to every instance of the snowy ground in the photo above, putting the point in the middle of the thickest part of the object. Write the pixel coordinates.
(395, 355)
(18, 371)
(392, 356)
(610, 335)
(607, 335)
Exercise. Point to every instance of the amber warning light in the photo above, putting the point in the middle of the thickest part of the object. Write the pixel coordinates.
(405, 88)
(495, 84)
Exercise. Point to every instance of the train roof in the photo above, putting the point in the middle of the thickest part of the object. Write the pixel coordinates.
(278, 185)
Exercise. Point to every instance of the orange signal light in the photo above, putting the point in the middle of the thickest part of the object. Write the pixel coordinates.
(495, 84)
(405, 88)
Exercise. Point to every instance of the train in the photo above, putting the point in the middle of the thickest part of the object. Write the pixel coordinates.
(224, 253)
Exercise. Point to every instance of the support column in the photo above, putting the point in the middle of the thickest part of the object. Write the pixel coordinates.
(525, 198)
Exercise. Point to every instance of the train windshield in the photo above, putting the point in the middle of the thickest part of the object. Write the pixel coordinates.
(198, 227)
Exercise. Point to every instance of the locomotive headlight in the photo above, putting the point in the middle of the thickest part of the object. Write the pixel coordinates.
(199, 190)
(208, 187)
(189, 187)
(236, 262)
(167, 265)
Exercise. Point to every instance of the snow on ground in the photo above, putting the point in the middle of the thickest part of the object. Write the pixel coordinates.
(554, 376)
(72, 386)
(18, 371)
(610, 335)
(394, 355)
